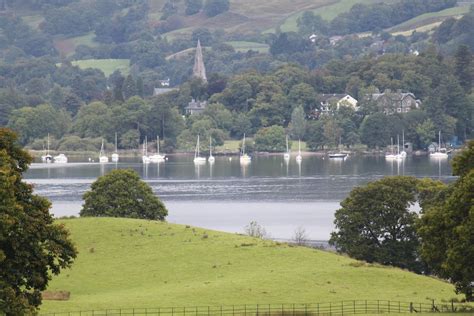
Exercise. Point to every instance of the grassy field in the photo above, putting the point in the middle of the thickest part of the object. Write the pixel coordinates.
(33, 21)
(434, 19)
(108, 66)
(125, 263)
(243, 46)
(327, 12)
(67, 46)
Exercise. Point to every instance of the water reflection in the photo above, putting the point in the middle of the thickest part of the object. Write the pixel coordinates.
(278, 193)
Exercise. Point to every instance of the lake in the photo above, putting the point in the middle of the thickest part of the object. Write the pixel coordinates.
(226, 196)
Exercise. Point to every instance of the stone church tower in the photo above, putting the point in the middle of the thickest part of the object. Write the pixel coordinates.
(199, 70)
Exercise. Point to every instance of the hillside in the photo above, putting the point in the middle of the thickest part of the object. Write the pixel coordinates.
(135, 263)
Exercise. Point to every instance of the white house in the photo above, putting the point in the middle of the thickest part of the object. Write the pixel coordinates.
(328, 101)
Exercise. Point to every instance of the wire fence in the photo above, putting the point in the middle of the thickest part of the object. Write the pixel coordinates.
(328, 308)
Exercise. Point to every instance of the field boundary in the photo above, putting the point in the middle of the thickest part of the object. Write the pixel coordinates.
(349, 307)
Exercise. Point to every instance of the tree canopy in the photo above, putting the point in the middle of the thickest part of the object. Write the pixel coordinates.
(32, 247)
(121, 193)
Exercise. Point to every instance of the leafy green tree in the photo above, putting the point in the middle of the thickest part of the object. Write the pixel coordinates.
(121, 193)
(32, 247)
(129, 87)
(375, 223)
(193, 6)
(37, 122)
(215, 7)
(130, 139)
(446, 228)
(464, 70)
(315, 135)
(303, 95)
(94, 120)
(426, 132)
(298, 123)
(271, 139)
(240, 125)
(375, 130)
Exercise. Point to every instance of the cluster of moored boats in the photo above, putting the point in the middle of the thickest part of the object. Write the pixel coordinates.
(400, 155)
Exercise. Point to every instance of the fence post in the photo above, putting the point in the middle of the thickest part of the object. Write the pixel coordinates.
(184, 311)
(172, 311)
(378, 306)
(318, 309)
(399, 307)
(452, 305)
(411, 307)
(388, 306)
(366, 306)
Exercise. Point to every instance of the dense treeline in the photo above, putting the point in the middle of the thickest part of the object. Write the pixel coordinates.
(437, 240)
(287, 98)
(370, 17)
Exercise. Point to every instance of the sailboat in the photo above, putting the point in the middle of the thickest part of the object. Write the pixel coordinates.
(299, 157)
(47, 158)
(244, 158)
(61, 158)
(286, 155)
(338, 155)
(439, 152)
(391, 155)
(403, 153)
(211, 158)
(145, 158)
(102, 157)
(197, 158)
(157, 157)
(115, 155)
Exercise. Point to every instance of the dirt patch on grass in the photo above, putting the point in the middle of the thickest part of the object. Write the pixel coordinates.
(56, 295)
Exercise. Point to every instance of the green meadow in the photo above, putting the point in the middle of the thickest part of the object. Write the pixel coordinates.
(127, 263)
(107, 66)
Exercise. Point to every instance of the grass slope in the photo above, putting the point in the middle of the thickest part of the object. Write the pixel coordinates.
(421, 22)
(136, 263)
(243, 46)
(108, 66)
(327, 12)
(67, 46)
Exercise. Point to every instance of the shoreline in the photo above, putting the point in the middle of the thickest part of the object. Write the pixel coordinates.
(137, 153)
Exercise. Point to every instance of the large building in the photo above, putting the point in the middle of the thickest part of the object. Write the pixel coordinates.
(395, 102)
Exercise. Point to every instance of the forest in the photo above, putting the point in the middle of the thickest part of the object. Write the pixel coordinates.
(276, 92)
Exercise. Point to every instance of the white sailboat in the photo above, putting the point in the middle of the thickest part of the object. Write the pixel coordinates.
(391, 155)
(244, 158)
(102, 156)
(338, 154)
(145, 158)
(440, 152)
(115, 155)
(61, 158)
(47, 158)
(157, 157)
(403, 153)
(197, 158)
(211, 158)
(299, 157)
(286, 155)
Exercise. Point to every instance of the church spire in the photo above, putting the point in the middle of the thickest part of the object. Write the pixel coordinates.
(199, 70)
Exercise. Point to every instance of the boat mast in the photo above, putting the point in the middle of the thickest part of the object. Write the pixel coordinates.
(116, 142)
(287, 144)
(158, 145)
(439, 141)
(299, 146)
(210, 146)
(398, 144)
(243, 146)
(47, 153)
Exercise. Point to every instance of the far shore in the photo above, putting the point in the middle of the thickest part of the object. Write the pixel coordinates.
(137, 153)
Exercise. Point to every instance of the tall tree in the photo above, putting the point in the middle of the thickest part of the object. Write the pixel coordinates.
(32, 247)
(375, 223)
(464, 67)
(129, 88)
(298, 123)
(446, 228)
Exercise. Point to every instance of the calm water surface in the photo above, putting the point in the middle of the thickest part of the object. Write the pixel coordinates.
(227, 196)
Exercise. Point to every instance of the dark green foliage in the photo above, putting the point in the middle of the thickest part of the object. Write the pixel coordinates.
(464, 67)
(375, 224)
(446, 228)
(193, 6)
(129, 88)
(31, 246)
(121, 193)
(215, 7)
(271, 139)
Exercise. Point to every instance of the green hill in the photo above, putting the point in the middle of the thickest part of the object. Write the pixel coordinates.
(136, 263)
